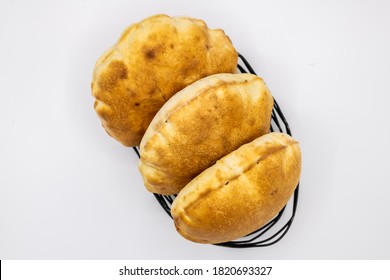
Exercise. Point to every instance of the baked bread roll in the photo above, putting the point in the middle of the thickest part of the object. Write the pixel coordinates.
(153, 60)
(241, 192)
(201, 124)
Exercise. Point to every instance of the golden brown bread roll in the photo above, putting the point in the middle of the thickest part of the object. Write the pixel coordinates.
(153, 60)
(201, 124)
(241, 192)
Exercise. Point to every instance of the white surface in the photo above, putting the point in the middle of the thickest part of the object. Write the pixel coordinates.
(69, 191)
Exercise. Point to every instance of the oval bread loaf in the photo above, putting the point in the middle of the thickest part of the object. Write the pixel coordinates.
(241, 192)
(153, 60)
(201, 124)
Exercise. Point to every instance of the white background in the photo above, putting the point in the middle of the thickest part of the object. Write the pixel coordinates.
(69, 191)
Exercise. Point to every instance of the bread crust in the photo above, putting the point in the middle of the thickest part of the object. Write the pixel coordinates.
(241, 192)
(151, 61)
(201, 124)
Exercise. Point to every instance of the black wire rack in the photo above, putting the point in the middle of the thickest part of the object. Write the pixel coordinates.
(275, 229)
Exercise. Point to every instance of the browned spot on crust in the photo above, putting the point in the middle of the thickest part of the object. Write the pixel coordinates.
(150, 54)
(189, 68)
(116, 71)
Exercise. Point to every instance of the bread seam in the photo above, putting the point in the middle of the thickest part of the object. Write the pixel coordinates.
(192, 99)
(223, 184)
(159, 169)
